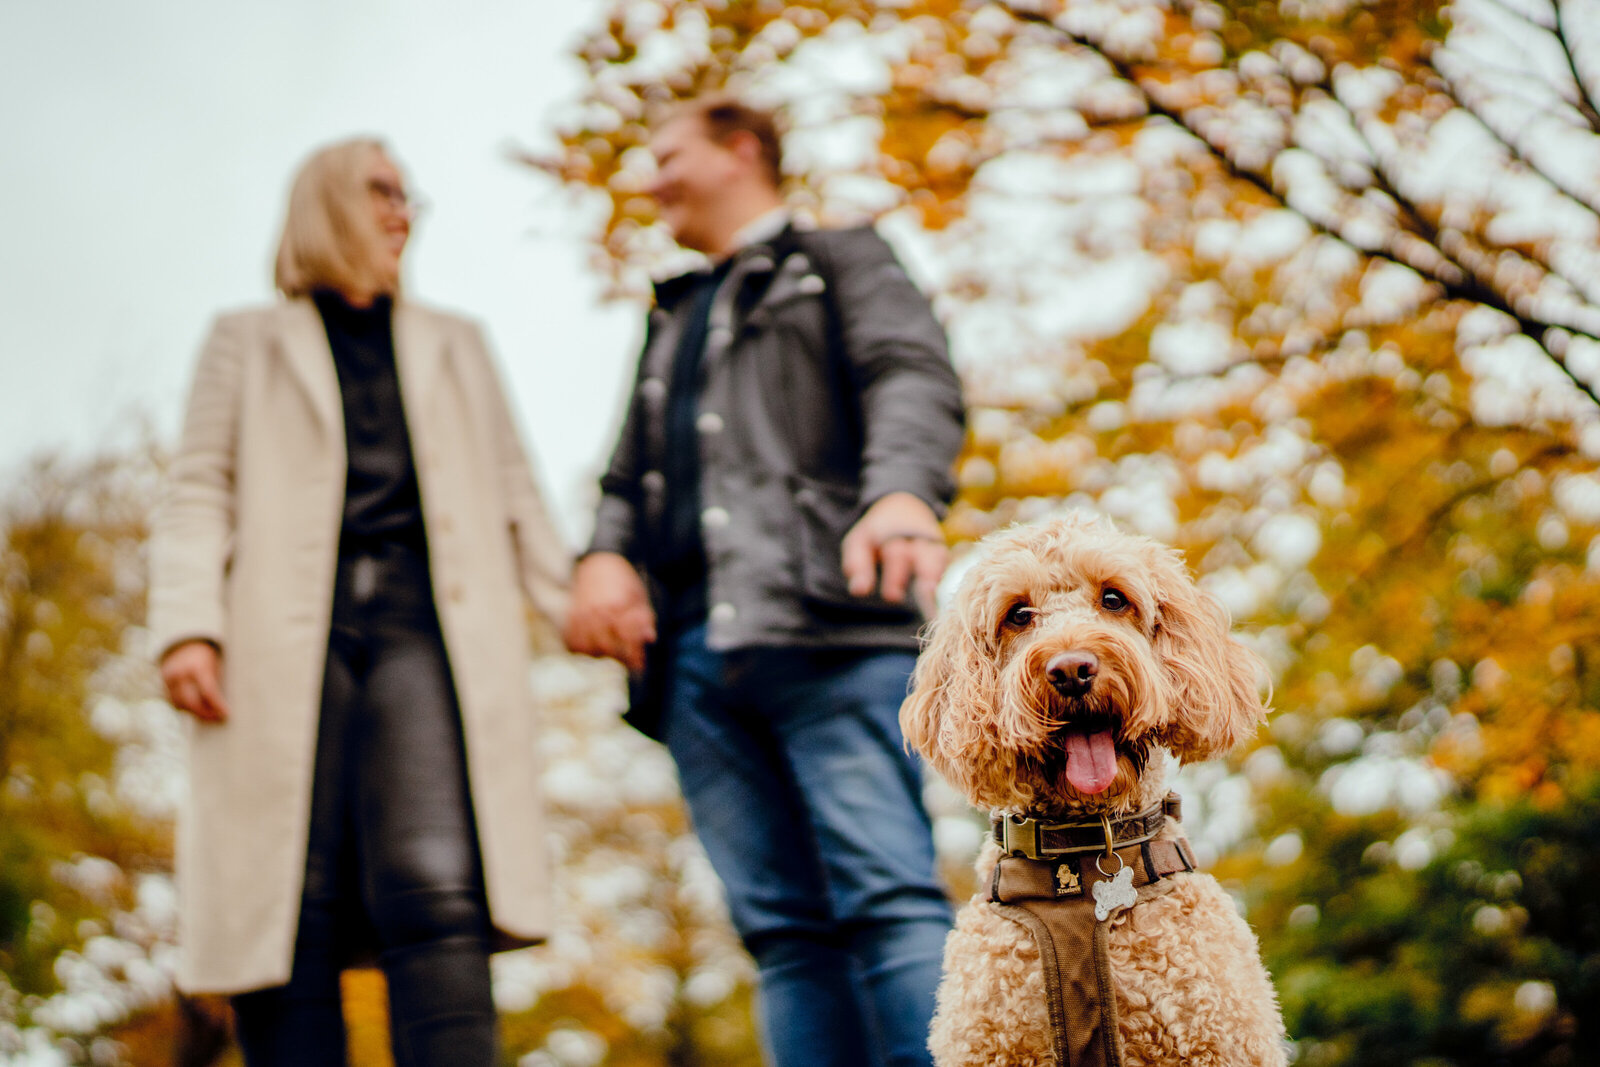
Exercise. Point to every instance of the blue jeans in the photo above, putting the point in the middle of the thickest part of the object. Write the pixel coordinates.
(810, 810)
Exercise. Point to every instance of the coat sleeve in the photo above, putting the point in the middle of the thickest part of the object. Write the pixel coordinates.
(911, 410)
(192, 528)
(543, 560)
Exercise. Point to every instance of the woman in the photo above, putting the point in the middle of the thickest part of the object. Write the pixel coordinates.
(334, 592)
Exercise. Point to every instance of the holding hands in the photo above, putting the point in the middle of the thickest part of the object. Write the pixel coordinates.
(610, 615)
(898, 538)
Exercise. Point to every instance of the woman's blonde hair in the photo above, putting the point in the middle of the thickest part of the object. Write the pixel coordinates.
(330, 234)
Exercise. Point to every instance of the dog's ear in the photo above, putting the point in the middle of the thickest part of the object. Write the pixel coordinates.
(954, 686)
(1216, 693)
(923, 708)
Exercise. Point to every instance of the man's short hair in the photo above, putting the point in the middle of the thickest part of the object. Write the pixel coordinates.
(725, 115)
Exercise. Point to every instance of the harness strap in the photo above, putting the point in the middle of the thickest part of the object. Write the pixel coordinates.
(1077, 983)
(1052, 900)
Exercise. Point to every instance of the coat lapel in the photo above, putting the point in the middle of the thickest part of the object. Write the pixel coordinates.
(419, 351)
(305, 349)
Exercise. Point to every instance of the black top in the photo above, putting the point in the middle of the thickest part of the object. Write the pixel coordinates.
(680, 553)
(381, 500)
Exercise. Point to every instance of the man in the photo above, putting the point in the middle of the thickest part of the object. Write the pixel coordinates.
(777, 482)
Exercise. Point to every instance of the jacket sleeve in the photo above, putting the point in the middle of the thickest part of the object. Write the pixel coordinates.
(911, 410)
(544, 563)
(616, 518)
(192, 527)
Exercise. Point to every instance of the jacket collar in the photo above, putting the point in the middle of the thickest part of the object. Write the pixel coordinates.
(773, 247)
(762, 228)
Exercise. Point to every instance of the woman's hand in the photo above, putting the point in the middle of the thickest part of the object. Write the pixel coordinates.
(610, 614)
(192, 672)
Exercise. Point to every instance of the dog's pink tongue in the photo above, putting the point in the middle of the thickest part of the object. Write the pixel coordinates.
(1091, 761)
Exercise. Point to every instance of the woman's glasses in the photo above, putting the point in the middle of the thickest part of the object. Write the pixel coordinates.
(396, 197)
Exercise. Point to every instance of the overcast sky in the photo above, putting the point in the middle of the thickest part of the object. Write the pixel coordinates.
(147, 152)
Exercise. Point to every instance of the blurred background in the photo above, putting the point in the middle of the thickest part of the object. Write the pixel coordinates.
(1310, 289)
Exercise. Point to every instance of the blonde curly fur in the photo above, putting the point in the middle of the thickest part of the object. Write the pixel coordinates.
(1190, 985)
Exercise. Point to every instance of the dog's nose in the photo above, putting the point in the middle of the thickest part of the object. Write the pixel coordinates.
(1072, 673)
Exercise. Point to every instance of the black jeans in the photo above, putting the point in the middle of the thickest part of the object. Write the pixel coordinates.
(392, 862)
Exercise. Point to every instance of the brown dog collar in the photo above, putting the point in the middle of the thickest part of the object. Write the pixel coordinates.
(1036, 838)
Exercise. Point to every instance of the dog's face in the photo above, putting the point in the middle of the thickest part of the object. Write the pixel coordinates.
(1069, 653)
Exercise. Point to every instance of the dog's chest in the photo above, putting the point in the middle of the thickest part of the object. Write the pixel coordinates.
(1067, 905)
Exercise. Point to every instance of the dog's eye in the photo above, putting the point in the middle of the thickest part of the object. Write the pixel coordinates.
(1020, 616)
(1113, 600)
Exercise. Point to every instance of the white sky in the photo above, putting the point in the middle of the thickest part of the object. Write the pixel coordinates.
(146, 153)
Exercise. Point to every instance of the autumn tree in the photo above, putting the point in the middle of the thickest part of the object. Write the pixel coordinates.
(1308, 289)
(88, 780)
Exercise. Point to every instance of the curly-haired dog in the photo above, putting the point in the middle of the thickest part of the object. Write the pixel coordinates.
(1069, 657)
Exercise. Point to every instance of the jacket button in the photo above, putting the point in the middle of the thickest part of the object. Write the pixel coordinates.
(719, 337)
(724, 612)
(653, 389)
(709, 422)
(714, 518)
(654, 481)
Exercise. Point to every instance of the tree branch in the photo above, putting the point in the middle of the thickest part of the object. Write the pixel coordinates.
(1586, 99)
(1564, 109)
(1521, 16)
(1383, 172)
(1458, 280)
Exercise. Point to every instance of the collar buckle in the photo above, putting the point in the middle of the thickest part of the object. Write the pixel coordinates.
(1019, 836)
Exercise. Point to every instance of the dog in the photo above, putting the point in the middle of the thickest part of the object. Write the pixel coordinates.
(1070, 659)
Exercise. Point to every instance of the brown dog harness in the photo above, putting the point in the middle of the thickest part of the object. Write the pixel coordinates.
(1062, 883)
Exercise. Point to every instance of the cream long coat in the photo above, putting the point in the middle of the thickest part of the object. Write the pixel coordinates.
(243, 551)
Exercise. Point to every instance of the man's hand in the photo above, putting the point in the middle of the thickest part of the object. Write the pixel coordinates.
(610, 614)
(900, 533)
(192, 673)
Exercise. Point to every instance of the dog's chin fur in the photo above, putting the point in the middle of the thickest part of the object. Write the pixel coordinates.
(982, 712)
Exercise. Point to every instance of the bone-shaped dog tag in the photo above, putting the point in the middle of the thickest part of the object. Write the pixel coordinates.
(1114, 894)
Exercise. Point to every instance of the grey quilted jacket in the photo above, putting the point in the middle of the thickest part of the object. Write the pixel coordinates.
(826, 384)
